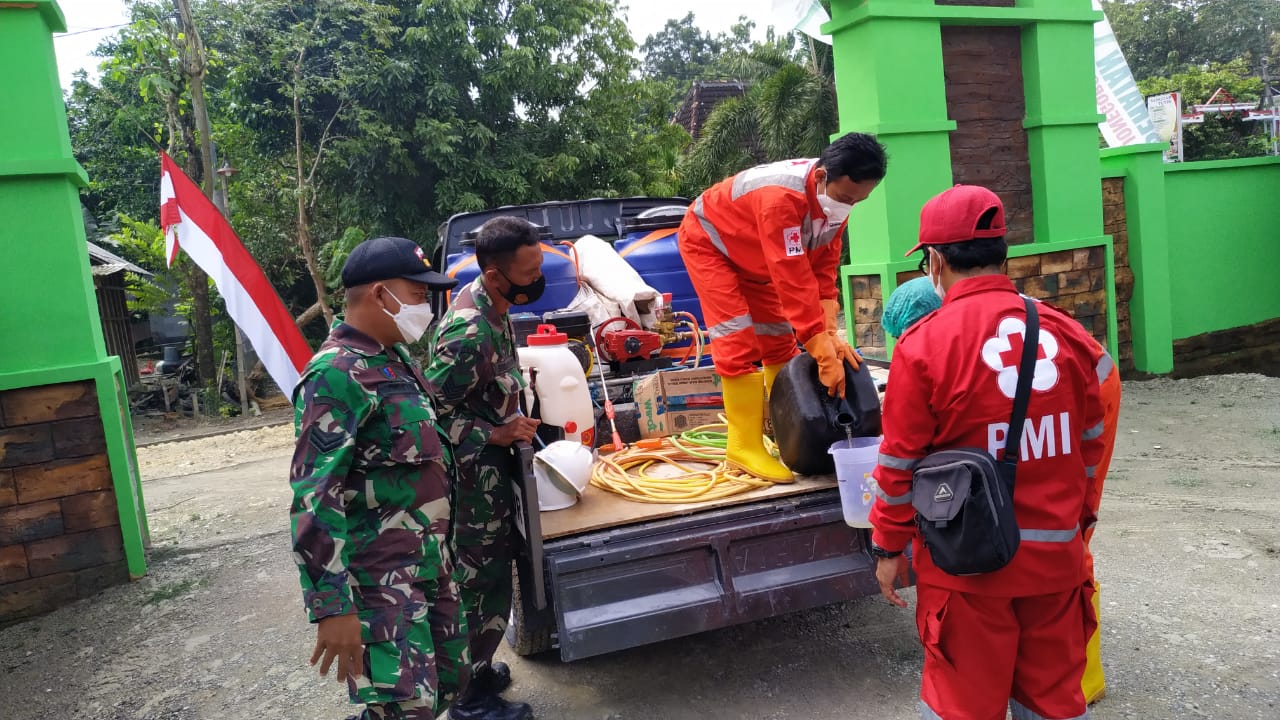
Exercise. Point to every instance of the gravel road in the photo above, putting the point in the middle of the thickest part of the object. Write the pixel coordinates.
(1187, 554)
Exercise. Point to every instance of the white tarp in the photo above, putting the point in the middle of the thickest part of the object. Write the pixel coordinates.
(601, 267)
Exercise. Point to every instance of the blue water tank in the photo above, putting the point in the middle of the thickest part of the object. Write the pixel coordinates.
(557, 266)
(656, 256)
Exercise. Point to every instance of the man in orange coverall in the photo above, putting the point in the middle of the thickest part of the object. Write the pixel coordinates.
(1013, 639)
(762, 249)
(1094, 683)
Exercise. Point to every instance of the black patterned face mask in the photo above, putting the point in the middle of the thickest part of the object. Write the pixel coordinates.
(524, 294)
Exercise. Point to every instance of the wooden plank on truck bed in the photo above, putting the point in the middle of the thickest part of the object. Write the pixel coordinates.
(599, 509)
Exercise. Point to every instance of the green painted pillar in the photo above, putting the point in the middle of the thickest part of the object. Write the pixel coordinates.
(50, 325)
(43, 230)
(1062, 123)
(890, 78)
(888, 68)
(1150, 309)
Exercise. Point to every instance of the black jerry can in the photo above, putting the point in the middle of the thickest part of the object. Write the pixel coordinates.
(807, 421)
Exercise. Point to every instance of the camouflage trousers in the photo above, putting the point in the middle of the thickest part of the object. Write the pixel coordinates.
(416, 658)
(484, 538)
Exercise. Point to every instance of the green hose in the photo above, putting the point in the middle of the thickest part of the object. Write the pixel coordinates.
(699, 437)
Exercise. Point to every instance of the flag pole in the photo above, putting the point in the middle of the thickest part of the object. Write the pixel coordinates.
(242, 382)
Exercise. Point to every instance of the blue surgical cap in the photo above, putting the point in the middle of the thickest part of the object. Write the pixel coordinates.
(911, 301)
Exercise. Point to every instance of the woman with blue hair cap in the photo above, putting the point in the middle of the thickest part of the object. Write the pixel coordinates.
(908, 304)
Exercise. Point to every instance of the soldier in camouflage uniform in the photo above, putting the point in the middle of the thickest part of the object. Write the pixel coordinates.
(475, 381)
(371, 497)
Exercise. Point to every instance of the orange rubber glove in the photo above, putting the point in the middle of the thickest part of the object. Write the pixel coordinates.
(844, 351)
(830, 368)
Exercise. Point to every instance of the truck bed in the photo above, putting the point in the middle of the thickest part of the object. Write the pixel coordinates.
(599, 509)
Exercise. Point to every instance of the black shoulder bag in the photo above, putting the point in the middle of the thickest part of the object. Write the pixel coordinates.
(964, 499)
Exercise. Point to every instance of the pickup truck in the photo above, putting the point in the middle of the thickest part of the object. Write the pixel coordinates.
(608, 574)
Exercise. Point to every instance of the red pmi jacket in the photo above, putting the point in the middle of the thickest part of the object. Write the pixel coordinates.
(763, 220)
(951, 385)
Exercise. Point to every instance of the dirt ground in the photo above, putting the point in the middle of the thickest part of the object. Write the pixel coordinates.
(1187, 554)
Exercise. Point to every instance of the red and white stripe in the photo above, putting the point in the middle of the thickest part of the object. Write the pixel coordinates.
(187, 216)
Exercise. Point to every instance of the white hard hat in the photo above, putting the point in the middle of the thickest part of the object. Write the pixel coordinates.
(563, 471)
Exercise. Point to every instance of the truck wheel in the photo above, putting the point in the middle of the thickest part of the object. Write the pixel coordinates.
(523, 637)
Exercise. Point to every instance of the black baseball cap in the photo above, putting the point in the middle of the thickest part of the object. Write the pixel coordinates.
(385, 258)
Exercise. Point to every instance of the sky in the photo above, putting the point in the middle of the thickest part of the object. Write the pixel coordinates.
(644, 17)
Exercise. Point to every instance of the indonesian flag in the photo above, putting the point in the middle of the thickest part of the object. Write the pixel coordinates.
(187, 216)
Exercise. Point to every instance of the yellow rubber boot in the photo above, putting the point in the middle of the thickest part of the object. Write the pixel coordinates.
(744, 410)
(1094, 683)
(771, 374)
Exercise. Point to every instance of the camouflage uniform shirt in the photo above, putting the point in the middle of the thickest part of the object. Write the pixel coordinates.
(371, 502)
(474, 374)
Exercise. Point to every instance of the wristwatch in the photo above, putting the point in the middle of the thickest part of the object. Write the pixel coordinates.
(877, 551)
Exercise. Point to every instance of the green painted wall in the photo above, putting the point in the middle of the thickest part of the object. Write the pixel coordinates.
(1147, 226)
(50, 325)
(1224, 244)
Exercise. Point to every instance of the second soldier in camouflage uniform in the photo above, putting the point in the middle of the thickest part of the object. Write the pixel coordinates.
(371, 508)
(475, 381)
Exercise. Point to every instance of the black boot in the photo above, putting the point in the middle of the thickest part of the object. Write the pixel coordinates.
(493, 679)
(488, 707)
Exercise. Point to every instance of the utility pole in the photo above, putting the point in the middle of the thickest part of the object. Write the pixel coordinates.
(1269, 105)
(242, 383)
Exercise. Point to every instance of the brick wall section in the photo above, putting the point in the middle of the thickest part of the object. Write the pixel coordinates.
(59, 528)
(868, 301)
(1072, 280)
(1115, 224)
(1252, 348)
(985, 98)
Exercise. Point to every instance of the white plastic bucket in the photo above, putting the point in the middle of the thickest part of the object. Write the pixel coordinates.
(855, 461)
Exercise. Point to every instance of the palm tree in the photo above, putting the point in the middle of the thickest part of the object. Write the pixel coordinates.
(788, 112)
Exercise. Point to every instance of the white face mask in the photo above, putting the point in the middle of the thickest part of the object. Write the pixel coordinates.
(837, 212)
(411, 320)
(937, 285)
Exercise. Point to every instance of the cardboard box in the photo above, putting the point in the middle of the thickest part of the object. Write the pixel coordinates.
(670, 402)
(674, 401)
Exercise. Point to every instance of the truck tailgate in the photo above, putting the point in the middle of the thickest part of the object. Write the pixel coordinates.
(634, 585)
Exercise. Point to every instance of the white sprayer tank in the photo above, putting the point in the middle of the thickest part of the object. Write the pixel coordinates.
(555, 376)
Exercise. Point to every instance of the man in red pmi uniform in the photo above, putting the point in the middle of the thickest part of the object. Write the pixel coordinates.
(762, 249)
(1013, 639)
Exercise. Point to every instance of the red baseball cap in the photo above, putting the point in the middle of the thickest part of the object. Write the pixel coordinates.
(952, 216)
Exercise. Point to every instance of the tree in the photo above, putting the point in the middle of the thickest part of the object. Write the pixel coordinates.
(309, 54)
(681, 53)
(354, 119)
(150, 54)
(536, 102)
(1164, 37)
(789, 111)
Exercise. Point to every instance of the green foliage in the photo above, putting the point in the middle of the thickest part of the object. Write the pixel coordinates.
(409, 112)
(1220, 137)
(681, 53)
(334, 255)
(1198, 84)
(1164, 37)
(142, 243)
(1196, 47)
